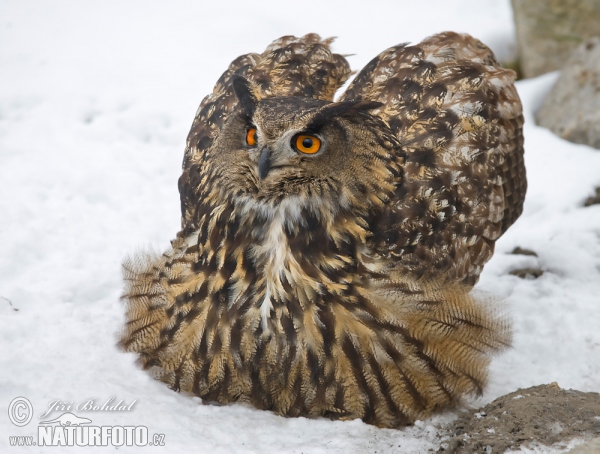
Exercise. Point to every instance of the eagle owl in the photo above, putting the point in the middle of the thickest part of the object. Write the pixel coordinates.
(328, 248)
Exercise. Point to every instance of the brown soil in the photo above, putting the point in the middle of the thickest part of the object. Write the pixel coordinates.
(541, 415)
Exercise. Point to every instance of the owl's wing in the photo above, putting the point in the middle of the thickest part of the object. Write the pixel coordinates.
(459, 119)
(289, 66)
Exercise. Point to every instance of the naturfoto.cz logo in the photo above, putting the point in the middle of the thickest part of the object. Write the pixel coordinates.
(69, 429)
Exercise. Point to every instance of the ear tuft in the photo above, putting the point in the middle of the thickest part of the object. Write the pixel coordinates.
(245, 95)
(340, 109)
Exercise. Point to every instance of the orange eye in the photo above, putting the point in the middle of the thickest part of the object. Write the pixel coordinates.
(307, 144)
(251, 137)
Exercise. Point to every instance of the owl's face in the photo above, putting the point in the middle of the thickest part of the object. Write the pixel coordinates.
(278, 148)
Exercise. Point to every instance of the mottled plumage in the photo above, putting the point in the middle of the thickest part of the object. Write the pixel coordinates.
(337, 283)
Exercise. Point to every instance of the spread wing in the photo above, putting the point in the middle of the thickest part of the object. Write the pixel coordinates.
(289, 66)
(459, 119)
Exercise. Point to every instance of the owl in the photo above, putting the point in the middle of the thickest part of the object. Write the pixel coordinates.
(328, 248)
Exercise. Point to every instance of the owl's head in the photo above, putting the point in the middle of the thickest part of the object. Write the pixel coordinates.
(280, 147)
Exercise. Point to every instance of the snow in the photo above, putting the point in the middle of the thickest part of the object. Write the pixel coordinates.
(96, 99)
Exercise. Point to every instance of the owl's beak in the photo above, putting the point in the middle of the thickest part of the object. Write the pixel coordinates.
(264, 164)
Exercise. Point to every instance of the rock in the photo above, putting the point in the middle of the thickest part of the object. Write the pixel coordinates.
(540, 415)
(571, 109)
(548, 31)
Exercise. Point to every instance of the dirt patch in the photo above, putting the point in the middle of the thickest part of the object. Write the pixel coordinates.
(522, 251)
(544, 414)
(593, 200)
(527, 273)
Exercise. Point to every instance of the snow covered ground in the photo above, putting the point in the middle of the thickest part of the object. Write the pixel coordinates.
(96, 99)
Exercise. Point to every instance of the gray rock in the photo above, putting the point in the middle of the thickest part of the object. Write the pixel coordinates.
(549, 30)
(572, 109)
